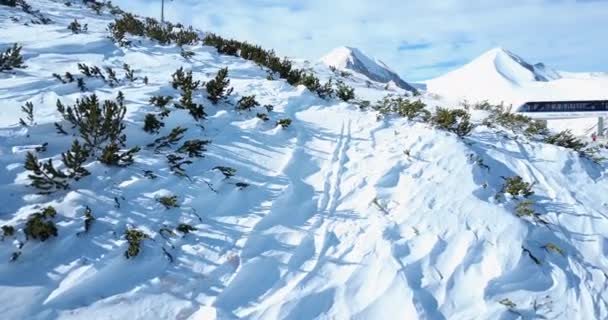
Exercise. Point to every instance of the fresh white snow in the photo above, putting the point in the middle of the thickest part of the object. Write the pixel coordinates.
(337, 223)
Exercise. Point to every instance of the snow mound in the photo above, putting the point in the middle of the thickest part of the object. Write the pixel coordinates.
(353, 59)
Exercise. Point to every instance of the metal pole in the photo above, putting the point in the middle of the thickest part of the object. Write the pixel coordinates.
(600, 126)
(162, 12)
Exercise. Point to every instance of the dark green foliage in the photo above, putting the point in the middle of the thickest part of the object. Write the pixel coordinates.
(45, 176)
(266, 58)
(175, 164)
(455, 120)
(42, 147)
(151, 124)
(77, 28)
(28, 109)
(91, 72)
(81, 85)
(74, 159)
(217, 88)
(40, 226)
(10, 3)
(168, 201)
(98, 124)
(8, 231)
(226, 171)
(88, 219)
(11, 58)
(312, 83)
(150, 174)
(263, 116)
(129, 73)
(247, 103)
(285, 123)
(161, 101)
(501, 116)
(171, 139)
(163, 33)
(194, 148)
(402, 107)
(269, 108)
(242, 185)
(197, 111)
(59, 129)
(111, 155)
(345, 92)
(567, 140)
(134, 238)
(111, 75)
(524, 209)
(187, 54)
(185, 228)
(516, 186)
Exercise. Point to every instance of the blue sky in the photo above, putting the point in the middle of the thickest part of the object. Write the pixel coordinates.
(418, 39)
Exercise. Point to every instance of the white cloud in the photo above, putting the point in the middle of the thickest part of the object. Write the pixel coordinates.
(569, 35)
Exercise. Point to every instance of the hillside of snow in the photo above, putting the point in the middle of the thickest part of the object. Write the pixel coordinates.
(354, 60)
(340, 215)
(501, 76)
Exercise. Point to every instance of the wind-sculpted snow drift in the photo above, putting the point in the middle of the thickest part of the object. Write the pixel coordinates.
(340, 215)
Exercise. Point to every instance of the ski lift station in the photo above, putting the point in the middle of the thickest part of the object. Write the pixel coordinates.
(552, 110)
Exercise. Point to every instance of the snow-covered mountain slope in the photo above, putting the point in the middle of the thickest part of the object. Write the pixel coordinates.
(501, 76)
(343, 216)
(353, 59)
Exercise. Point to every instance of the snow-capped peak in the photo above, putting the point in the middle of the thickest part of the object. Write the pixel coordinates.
(353, 59)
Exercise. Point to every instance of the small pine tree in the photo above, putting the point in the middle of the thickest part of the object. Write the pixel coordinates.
(129, 73)
(185, 228)
(99, 124)
(74, 160)
(168, 201)
(345, 92)
(77, 28)
(456, 121)
(45, 176)
(171, 139)
(152, 124)
(88, 219)
(226, 171)
(8, 231)
(11, 59)
(247, 103)
(40, 225)
(112, 156)
(134, 238)
(176, 164)
(194, 148)
(285, 123)
(28, 109)
(217, 88)
(516, 186)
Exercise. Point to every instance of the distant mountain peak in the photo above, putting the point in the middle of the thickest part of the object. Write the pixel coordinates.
(353, 59)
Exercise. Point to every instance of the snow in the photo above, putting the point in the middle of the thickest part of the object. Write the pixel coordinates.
(501, 76)
(337, 223)
(354, 60)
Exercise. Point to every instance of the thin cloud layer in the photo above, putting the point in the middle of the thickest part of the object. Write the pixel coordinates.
(420, 40)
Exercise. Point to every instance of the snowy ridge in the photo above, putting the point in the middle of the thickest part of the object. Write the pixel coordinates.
(353, 59)
(500, 76)
(337, 221)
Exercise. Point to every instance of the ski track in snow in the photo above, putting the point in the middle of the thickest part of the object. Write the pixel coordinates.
(338, 223)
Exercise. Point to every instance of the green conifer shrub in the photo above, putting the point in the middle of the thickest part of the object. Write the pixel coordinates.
(11, 58)
(40, 225)
(74, 159)
(217, 88)
(455, 120)
(134, 238)
(44, 175)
